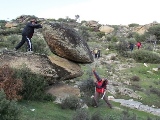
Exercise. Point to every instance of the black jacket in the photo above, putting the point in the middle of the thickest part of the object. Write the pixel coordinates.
(29, 29)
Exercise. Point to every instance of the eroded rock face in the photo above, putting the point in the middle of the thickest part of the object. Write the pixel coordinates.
(66, 43)
(55, 68)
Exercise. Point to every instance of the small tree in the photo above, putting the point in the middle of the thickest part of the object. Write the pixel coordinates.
(9, 84)
(155, 30)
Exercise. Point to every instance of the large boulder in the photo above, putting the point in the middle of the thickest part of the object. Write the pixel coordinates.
(106, 29)
(53, 67)
(67, 43)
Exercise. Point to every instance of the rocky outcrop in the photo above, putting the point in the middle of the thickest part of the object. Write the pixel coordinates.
(62, 91)
(106, 29)
(72, 68)
(11, 24)
(67, 43)
(58, 69)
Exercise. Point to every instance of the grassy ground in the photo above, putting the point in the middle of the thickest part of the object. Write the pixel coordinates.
(52, 111)
(147, 82)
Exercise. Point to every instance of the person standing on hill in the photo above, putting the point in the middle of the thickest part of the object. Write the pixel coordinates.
(96, 52)
(131, 46)
(139, 44)
(27, 34)
(99, 53)
(100, 89)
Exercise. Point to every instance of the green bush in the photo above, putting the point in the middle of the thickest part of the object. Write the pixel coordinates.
(87, 87)
(81, 114)
(114, 39)
(135, 78)
(155, 30)
(100, 34)
(34, 85)
(155, 91)
(9, 84)
(133, 25)
(40, 46)
(9, 110)
(136, 87)
(122, 47)
(145, 56)
(10, 42)
(112, 46)
(87, 100)
(71, 102)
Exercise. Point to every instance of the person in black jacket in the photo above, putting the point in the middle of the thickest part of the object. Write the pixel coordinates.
(27, 34)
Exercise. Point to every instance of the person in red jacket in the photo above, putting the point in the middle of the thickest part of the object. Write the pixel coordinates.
(100, 89)
(139, 44)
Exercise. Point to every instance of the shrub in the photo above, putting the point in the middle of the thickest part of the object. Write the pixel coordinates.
(139, 37)
(9, 110)
(87, 100)
(155, 91)
(122, 48)
(71, 102)
(135, 78)
(81, 114)
(9, 84)
(136, 87)
(114, 39)
(133, 25)
(100, 34)
(113, 58)
(154, 30)
(87, 87)
(145, 56)
(112, 46)
(10, 41)
(34, 85)
(40, 46)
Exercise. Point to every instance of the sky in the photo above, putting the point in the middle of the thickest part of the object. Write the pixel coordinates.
(111, 12)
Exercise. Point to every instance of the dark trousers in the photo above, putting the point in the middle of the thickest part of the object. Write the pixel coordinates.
(25, 39)
(96, 98)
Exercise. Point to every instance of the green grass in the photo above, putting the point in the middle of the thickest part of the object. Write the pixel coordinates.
(147, 81)
(44, 111)
(52, 111)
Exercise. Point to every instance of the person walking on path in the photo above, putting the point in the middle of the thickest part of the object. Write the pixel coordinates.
(100, 89)
(27, 34)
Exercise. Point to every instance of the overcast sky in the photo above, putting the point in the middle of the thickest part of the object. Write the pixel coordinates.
(112, 12)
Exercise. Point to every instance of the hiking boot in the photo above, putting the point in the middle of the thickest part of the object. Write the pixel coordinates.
(15, 50)
(30, 52)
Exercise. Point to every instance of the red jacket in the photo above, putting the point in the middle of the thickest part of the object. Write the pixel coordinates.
(100, 85)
